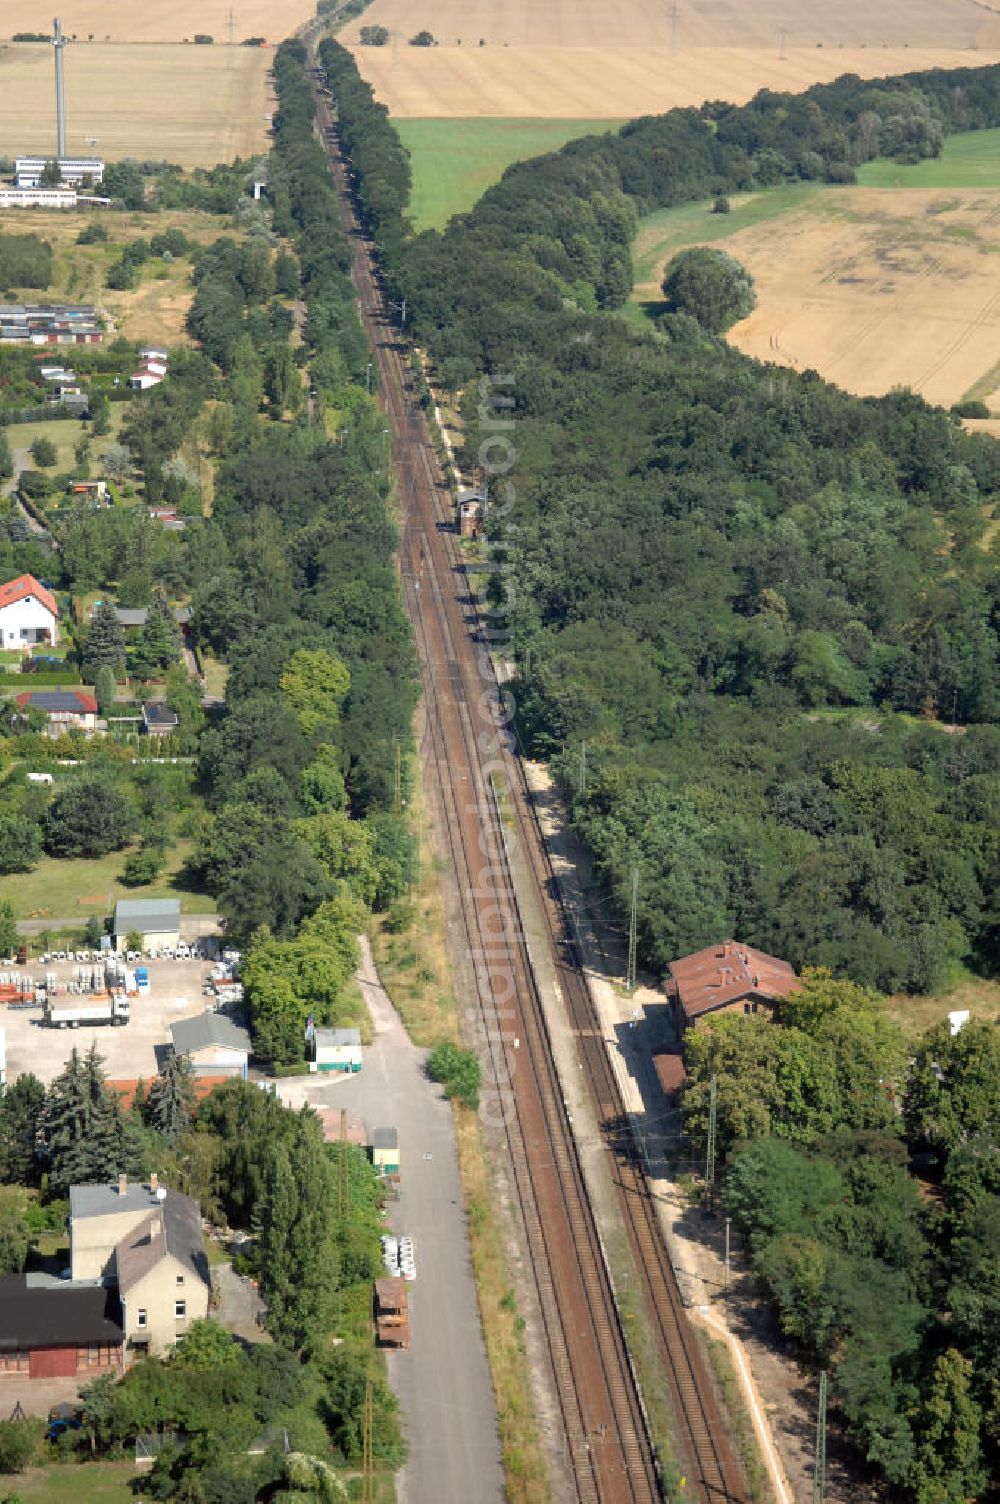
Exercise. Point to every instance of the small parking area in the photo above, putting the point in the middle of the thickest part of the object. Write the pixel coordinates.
(176, 990)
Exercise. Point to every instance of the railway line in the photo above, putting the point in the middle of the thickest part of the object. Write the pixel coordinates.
(607, 1441)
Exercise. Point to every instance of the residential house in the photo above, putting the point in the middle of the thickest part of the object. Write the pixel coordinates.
(157, 920)
(385, 1151)
(90, 490)
(158, 719)
(337, 1050)
(50, 1329)
(214, 1045)
(29, 614)
(162, 1273)
(66, 709)
(727, 978)
(145, 1242)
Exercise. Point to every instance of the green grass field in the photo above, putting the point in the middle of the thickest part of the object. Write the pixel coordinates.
(65, 889)
(89, 1483)
(971, 160)
(65, 434)
(455, 161)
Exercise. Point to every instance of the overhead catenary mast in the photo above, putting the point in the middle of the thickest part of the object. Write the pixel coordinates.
(58, 43)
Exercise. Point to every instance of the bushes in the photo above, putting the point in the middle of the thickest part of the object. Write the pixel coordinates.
(458, 1071)
(19, 1442)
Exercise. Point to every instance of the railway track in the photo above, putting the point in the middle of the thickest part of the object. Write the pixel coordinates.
(607, 1442)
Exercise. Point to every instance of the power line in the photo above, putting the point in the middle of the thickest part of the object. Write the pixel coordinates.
(673, 27)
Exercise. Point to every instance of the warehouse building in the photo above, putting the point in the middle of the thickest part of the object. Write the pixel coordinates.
(214, 1045)
(157, 920)
(50, 1329)
(77, 171)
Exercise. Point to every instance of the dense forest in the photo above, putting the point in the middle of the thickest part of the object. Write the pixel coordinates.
(756, 634)
(747, 593)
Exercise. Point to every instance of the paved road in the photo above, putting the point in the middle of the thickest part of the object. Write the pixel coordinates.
(443, 1380)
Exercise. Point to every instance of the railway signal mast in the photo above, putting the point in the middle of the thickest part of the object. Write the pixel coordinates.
(819, 1470)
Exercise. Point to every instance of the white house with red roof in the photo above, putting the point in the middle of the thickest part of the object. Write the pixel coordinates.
(29, 614)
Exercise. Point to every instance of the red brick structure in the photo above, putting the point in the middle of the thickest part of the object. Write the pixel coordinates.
(50, 1329)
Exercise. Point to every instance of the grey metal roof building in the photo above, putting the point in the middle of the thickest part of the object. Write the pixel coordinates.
(385, 1138)
(207, 1029)
(149, 916)
(331, 1038)
(104, 1200)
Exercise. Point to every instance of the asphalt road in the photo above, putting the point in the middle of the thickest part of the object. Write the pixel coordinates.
(443, 1379)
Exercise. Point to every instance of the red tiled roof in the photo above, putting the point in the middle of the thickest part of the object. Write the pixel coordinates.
(86, 703)
(22, 587)
(723, 974)
(671, 1073)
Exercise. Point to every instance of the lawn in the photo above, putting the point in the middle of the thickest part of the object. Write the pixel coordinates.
(67, 889)
(88, 1483)
(65, 434)
(971, 160)
(455, 161)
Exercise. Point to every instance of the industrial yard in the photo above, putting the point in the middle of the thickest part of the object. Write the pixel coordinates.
(177, 989)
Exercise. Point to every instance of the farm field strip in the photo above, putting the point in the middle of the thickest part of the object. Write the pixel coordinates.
(195, 106)
(872, 288)
(616, 82)
(166, 21)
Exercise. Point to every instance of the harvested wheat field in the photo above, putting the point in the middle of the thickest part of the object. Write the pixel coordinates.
(160, 20)
(192, 105)
(605, 59)
(874, 289)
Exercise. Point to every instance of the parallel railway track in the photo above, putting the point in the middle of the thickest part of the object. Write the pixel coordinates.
(606, 1434)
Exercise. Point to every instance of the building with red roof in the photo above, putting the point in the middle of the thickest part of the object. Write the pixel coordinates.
(66, 709)
(727, 978)
(29, 614)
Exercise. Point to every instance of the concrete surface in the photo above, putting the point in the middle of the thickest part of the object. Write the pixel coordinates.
(129, 1051)
(37, 1396)
(239, 1304)
(442, 1380)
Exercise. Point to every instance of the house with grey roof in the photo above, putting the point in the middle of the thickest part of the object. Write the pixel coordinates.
(157, 920)
(337, 1050)
(214, 1044)
(144, 1241)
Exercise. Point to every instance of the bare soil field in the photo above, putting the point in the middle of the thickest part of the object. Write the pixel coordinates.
(605, 59)
(161, 20)
(195, 106)
(875, 288)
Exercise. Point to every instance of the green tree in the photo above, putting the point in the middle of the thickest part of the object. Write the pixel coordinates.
(20, 841)
(159, 642)
(172, 1098)
(6, 458)
(89, 816)
(44, 453)
(953, 1088)
(295, 1220)
(9, 938)
(86, 1135)
(104, 644)
(100, 414)
(947, 1422)
(105, 689)
(207, 1346)
(458, 1071)
(21, 1107)
(711, 286)
(315, 683)
(14, 1236)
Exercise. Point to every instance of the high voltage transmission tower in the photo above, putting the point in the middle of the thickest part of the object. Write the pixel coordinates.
(819, 1469)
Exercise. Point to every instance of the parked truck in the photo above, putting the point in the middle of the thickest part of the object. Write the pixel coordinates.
(77, 1013)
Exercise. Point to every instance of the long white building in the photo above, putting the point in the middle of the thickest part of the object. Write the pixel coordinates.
(78, 170)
